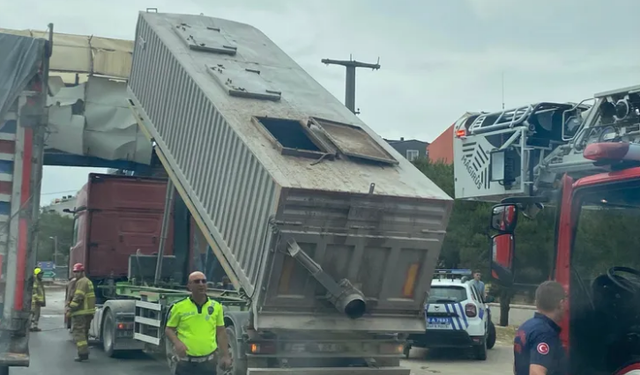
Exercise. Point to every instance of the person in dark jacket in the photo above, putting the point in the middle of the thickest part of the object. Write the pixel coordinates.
(537, 348)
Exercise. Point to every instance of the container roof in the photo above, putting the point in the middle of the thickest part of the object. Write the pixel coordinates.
(299, 131)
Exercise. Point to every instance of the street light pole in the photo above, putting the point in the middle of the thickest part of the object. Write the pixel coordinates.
(55, 249)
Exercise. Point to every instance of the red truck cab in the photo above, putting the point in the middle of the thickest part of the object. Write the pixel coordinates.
(115, 217)
(597, 259)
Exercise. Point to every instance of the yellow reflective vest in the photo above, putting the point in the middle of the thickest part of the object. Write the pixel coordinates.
(196, 326)
(37, 296)
(84, 298)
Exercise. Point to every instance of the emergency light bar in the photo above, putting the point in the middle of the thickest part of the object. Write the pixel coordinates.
(452, 273)
(614, 151)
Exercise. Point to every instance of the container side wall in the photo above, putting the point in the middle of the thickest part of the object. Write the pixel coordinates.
(231, 193)
(113, 192)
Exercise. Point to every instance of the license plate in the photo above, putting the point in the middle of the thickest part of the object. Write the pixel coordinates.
(324, 348)
(438, 323)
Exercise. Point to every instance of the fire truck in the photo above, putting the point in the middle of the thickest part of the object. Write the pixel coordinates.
(584, 159)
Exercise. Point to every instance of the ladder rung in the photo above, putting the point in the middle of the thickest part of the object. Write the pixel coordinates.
(147, 321)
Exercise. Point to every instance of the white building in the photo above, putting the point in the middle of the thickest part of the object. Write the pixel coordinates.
(60, 204)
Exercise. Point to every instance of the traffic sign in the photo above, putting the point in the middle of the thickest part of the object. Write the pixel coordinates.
(46, 266)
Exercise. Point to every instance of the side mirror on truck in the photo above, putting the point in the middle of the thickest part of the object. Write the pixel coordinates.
(502, 249)
(504, 217)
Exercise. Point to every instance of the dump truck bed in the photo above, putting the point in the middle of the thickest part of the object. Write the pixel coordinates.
(264, 154)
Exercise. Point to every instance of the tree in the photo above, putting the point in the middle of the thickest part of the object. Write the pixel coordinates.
(467, 245)
(466, 242)
(50, 226)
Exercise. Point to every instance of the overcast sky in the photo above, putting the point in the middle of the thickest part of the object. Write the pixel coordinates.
(439, 58)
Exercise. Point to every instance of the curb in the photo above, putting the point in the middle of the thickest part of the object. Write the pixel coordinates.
(523, 307)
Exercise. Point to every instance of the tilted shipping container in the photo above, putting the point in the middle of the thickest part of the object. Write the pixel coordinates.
(263, 154)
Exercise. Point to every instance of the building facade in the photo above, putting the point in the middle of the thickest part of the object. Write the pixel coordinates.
(441, 149)
(60, 204)
(411, 149)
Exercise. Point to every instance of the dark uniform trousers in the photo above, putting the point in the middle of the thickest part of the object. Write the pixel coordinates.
(80, 331)
(197, 368)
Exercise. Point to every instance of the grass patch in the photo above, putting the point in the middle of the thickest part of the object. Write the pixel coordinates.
(505, 335)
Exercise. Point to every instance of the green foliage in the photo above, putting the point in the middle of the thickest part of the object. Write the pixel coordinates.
(605, 237)
(52, 225)
(467, 243)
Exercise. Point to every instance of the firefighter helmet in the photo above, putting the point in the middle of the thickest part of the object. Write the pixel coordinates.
(78, 267)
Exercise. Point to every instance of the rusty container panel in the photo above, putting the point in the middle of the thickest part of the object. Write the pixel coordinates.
(262, 153)
(118, 217)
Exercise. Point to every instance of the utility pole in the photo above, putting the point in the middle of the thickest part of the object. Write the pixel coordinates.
(503, 90)
(350, 87)
(55, 248)
(164, 231)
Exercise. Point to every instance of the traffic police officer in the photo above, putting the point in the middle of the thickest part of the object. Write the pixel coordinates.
(81, 310)
(537, 348)
(37, 299)
(195, 326)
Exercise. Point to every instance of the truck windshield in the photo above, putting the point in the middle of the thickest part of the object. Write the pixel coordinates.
(604, 300)
(607, 233)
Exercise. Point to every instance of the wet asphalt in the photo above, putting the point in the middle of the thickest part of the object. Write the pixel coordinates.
(53, 351)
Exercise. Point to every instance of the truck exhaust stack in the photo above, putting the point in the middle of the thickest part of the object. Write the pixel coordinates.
(343, 295)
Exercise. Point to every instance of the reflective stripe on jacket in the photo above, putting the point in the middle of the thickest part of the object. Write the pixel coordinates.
(38, 292)
(84, 298)
(71, 288)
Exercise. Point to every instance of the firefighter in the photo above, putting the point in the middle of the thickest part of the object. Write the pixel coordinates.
(71, 288)
(81, 310)
(37, 299)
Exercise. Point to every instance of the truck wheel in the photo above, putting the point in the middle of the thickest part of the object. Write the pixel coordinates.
(239, 367)
(109, 334)
(491, 336)
(480, 351)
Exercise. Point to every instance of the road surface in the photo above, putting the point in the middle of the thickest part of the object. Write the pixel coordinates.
(518, 314)
(52, 353)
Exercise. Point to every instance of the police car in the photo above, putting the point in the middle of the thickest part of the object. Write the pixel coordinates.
(456, 316)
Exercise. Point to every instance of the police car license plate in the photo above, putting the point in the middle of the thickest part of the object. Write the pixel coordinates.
(438, 323)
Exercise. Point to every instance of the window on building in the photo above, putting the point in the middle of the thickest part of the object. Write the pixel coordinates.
(412, 155)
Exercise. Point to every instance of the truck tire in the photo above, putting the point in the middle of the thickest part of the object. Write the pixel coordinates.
(239, 366)
(491, 336)
(480, 351)
(109, 333)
